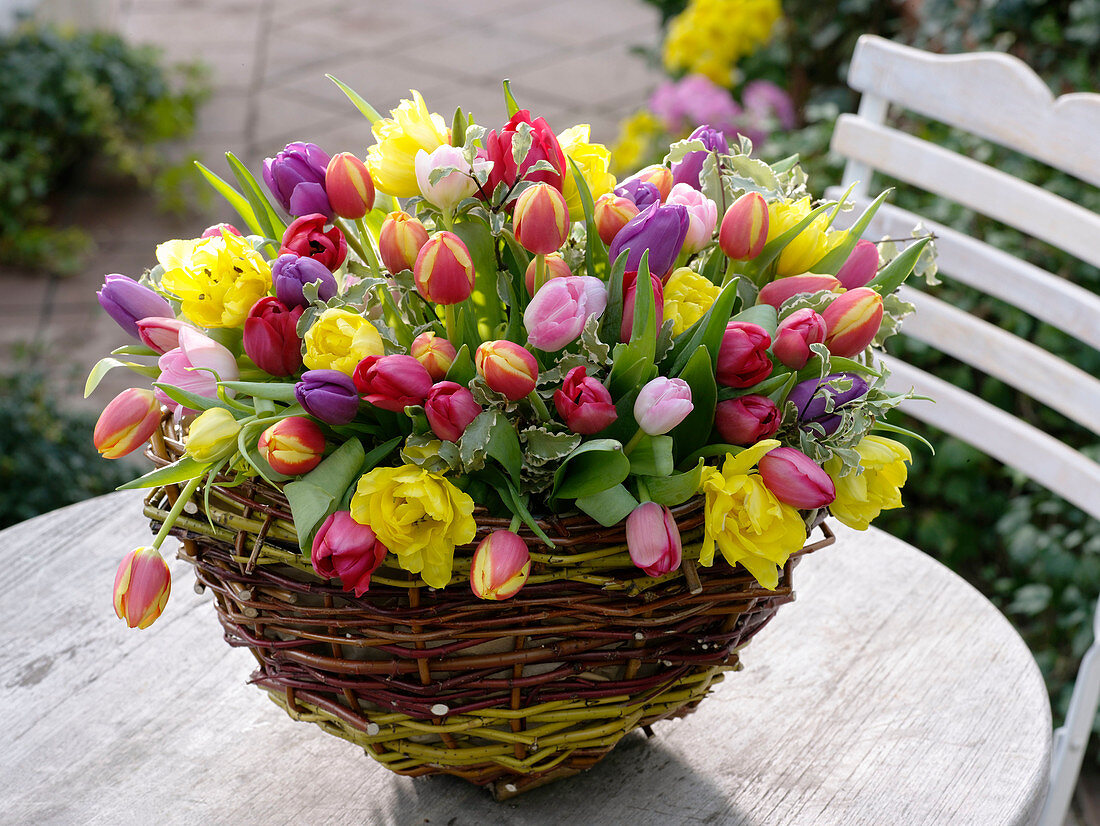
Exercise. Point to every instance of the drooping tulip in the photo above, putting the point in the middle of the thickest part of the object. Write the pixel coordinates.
(662, 404)
(796, 479)
(142, 586)
(500, 566)
(346, 549)
(507, 368)
(160, 334)
(392, 382)
(126, 423)
(271, 337)
(653, 539)
(584, 404)
(328, 395)
(296, 177)
(747, 419)
(781, 289)
(444, 270)
(128, 302)
(558, 312)
(293, 445)
(450, 408)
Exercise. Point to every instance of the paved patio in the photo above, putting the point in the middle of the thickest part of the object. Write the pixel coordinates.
(571, 61)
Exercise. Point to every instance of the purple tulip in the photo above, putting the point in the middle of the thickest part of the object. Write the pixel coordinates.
(687, 170)
(810, 399)
(328, 395)
(296, 177)
(642, 193)
(290, 273)
(659, 229)
(128, 302)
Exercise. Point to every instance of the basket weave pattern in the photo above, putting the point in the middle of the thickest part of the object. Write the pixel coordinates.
(506, 694)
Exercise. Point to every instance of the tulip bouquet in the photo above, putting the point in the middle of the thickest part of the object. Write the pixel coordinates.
(475, 334)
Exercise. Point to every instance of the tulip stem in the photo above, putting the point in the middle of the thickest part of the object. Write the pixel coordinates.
(514, 523)
(449, 322)
(540, 272)
(368, 249)
(170, 520)
(539, 405)
(731, 272)
(352, 238)
(633, 443)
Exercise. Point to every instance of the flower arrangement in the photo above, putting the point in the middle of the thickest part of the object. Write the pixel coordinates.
(516, 335)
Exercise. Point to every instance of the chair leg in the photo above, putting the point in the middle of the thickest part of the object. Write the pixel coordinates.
(1068, 747)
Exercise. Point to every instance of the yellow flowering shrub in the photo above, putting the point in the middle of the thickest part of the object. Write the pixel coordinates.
(638, 136)
(592, 159)
(410, 128)
(688, 296)
(217, 280)
(710, 37)
(860, 497)
(339, 340)
(746, 521)
(810, 245)
(418, 515)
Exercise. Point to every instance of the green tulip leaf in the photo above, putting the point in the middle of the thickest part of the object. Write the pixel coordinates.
(276, 391)
(235, 199)
(594, 466)
(595, 252)
(313, 497)
(193, 401)
(106, 365)
(368, 111)
(183, 470)
(652, 456)
(707, 331)
(694, 431)
(894, 274)
(477, 237)
(612, 320)
(676, 488)
(273, 226)
(764, 315)
(834, 259)
(756, 268)
(609, 507)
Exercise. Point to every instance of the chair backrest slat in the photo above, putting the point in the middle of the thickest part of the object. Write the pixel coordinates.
(993, 96)
(1001, 435)
(967, 260)
(985, 190)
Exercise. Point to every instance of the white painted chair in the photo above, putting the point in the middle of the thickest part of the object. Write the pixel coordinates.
(998, 98)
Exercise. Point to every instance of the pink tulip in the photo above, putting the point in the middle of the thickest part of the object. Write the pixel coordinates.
(662, 404)
(500, 566)
(702, 216)
(746, 420)
(781, 289)
(450, 190)
(343, 548)
(196, 366)
(126, 423)
(630, 297)
(744, 229)
(450, 408)
(853, 319)
(743, 355)
(861, 266)
(796, 479)
(160, 334)
(435, 353)
(584, 403)
(507, 368)
(392, 382)
(795, 335)
(558, 312)
(653, 539)
(142, 585)
(216, 231)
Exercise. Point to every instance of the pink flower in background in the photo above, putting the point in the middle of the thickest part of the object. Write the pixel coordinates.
(767, 109)
(684, 104)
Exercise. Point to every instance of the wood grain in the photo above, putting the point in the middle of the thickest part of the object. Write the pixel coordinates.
(891, 691)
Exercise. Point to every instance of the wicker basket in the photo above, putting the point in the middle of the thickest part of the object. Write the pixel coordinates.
(508, 694)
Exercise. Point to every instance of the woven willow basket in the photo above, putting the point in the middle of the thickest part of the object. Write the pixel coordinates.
(508, 694)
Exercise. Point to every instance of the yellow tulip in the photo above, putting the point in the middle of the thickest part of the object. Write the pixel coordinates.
(418, 515)
(213, 435)
(688, 296)
(750, 526)
(339, 340)
(592, 159)
(809, 246)
(391, 161)
(217, 279)
(861, 497)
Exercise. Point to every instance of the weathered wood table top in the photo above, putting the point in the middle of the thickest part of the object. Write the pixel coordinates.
(890, 692)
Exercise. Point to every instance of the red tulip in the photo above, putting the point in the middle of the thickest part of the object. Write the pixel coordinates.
(349, 186)
(795, 335)
(306, 237)
(853, 319)
(743, 355)
(746, 420)
(293, 446)
(400, 241)
(507, 368)
(392, 382)
(584, 403)
(142, 586)
(541, 219)
(781, 289)
(444, 270)
(450, 408)
(271, 337)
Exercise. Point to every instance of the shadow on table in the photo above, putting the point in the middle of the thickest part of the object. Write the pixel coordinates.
(641, 782)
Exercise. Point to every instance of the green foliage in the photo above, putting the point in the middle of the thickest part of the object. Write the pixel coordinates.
(46, 455)
(71, 97)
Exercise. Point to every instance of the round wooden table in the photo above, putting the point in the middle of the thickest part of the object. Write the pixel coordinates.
(890, 692)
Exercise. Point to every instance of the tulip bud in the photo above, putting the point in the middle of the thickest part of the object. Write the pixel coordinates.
(584, 404)
(630, 298)
(160, 334)
(853, 319)
(126, 423)
(128, 302)
(293, 445)
(554, 267)
(653, 539)
(271, 337)
(612, 213)
(291, 272)
(782, 289)
(450, 408)
(343, 548)
(435, 353)
(795, 335)
(507, 368)
(659, 176)
(400, 241)
(638, 192)
(810, 399)
(500, 566)
(142, 585)
(212, 436)
(296, 177)
(796, 479)
(558, 312)
(746, 420)
(659, 229)
(541, 219)
(349, 186)
(662, 404)
(861, 266)
(392, 382)
(216, 231)
(328, 395)
(743, 355)
(744, 229)
(444, 271)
